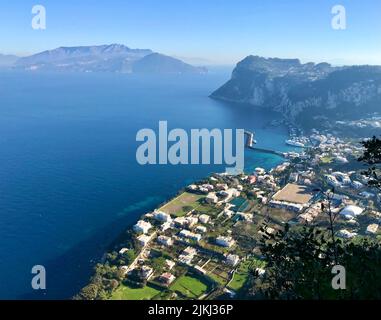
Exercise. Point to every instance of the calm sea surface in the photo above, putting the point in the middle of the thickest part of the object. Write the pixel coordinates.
(69, 180)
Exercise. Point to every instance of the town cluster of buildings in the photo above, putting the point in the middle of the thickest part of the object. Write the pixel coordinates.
(297, 186)
(162, 229)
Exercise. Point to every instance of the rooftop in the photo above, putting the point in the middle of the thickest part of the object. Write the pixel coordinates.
(294, 193)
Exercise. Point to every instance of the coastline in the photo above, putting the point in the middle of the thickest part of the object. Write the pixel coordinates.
(200, 243)
(121, 236)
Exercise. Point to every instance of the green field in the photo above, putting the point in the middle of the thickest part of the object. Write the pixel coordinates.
(220, 280)
(127, 293)
(182, 204)
(238, 281)
(242, 273)
(189, 286)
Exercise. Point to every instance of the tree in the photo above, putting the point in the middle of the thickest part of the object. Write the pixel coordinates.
(129, 256)
(372, 157)
(158, 264)
(326, 208)
(300, 266)
(90, 292)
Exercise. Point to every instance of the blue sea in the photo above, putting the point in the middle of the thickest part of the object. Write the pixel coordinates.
(69, 180)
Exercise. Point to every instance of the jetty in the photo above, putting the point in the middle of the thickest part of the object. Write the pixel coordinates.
(250, 142)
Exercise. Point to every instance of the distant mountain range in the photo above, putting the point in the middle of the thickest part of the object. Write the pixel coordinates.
(7, 60)
(104, 58)
(311, 95)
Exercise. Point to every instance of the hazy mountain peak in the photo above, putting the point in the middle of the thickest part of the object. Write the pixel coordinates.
(159, 63)
(107, 58)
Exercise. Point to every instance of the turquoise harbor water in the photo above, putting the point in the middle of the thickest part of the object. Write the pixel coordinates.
(69, 180)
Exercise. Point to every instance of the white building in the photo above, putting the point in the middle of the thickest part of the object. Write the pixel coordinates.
(143, 240)
(351, 211)
(201, 229)
(372, 228)
(170, 264)
(162, 216)
(191, 221)
(346, 234)
(146, 272)
(260, 171)
(123, 250)
(165, 226)
(166, 241)
(186, 259)
(260, 271)
(187, 255)
(208, 187)
(142, 226)
(224, 241)
(180, 221)
(192, 187)
(190, 251)
(296, 207)
(248, 217)
(211, 198)
(232, 259)
(190, 235)
(204, 218)
(230, 193)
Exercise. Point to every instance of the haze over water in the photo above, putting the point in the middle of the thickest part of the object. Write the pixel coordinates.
(69, 180)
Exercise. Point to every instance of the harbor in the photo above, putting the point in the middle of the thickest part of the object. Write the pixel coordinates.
(251, 142)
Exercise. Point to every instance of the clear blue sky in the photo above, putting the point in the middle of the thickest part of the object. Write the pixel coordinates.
(220, 31)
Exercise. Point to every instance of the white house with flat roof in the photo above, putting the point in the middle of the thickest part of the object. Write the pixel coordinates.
(201, 229)
(143, 240)
(224, 241)
(142, 226)
(351, 211)
(162, 216)
(166, 241)
(232, 259)
(372, 228)
(211, 198)
(204, 218)
(190, 235)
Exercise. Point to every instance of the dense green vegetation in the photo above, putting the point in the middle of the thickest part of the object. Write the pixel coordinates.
(300, 266)
(243, 272)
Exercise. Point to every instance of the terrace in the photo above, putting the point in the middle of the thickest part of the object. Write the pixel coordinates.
(294, 193)
(183, 204)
